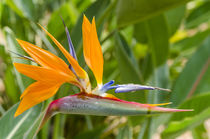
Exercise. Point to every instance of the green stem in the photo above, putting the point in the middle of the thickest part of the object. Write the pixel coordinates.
(89, 122)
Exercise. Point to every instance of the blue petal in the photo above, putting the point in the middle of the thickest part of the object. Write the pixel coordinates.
(107, 86)
(22, 56)
(135, 87)
(71, 47)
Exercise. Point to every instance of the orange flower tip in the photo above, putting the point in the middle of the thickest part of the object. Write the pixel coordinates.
(18, 40)
(93, 20)
(84, 17)
(16, 114)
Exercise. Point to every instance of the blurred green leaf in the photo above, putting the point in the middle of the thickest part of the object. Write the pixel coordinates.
(176, 128)
(12, 45)
(129, 12)
(68, 13)
(1, 11)
(199, 15)
(128, 67)
(158, 39)
(197, 103)
(140, 32)
(10, 85)
(125, 133)
(11, 127)
(24, 8)
(11, 88)
(191, 76)
(200, 104)
(91, 134)
(200, 132)
(190, 42)
(174, 18)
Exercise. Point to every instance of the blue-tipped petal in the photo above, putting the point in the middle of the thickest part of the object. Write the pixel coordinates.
(71, 47)
(135, 87)
(108, 86)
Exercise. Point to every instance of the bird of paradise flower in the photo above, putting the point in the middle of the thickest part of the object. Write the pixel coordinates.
(52, 72)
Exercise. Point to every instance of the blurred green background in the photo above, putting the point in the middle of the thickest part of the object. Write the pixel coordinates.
(160, 43)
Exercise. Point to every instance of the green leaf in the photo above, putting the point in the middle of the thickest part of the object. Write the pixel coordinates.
(200, 104)
(128, 67)
(68, 13)
(12, 45)
(11, 127)
(34, 128)
(198, 15)
(176, 128)
(174, 18)
(191, 76)
(190, 42)
(125, 133)
(197, 103)
(10, 85)
(158, 39)
(200, 132)
(140, 32)
(11, 88)
(24, 8)
(130, 12)
(91, 134)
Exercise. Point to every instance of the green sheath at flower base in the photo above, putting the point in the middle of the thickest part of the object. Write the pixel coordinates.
(89, 104)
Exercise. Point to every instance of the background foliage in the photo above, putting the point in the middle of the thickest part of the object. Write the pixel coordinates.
(160, 43)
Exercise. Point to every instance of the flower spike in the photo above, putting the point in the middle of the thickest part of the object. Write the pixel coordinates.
(92, 49)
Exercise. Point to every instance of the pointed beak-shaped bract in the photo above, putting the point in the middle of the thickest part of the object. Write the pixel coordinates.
(89, 104)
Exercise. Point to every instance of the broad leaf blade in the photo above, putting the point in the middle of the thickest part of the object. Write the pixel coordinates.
(129, 12)
(11, 127)
(158, 39)
(191, 76)
(177, 128)
(12, 45)
(174, 18)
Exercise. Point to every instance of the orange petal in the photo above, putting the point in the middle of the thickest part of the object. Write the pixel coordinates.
(79, 71)
(92, 49)
(45, 74)
(37, 87)
(43, 57)
(36, 95)
(86, 27)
